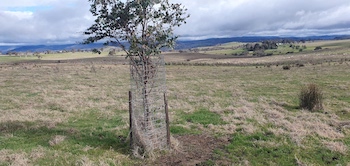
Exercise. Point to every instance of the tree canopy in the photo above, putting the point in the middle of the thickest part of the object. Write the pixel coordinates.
(145, 25)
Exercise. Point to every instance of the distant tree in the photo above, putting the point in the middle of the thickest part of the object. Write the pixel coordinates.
(249, 47)
(112, 52)
(318, 48)
(270, 44)
(264, 45)
(259, 53)
(257, 47)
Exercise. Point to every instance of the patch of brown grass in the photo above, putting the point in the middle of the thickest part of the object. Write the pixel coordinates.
(37, 153)
(53, 97)
(18, 158)
(57, 139)
(336, 146)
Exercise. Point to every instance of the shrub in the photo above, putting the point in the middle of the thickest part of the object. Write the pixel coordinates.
(318, 48)
(112, 52)
(286, 67)
(310, 97)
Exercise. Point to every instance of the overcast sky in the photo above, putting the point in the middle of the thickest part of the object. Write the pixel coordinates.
(63, 21)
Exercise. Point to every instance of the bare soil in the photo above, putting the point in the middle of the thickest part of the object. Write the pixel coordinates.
(194, 150)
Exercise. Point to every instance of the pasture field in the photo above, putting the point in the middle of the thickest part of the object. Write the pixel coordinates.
(226, 111)
(234, 48)
(60, 56)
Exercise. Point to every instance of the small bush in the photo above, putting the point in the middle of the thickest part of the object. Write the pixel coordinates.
(318, 48)
(311, 98)
(286, 67)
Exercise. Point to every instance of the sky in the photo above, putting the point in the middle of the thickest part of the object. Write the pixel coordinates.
(64, 21)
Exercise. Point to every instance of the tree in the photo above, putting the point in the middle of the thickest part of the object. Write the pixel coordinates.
(146, 25)
(142, 28)
(318, 48)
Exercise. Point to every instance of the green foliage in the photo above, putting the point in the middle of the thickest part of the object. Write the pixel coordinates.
(147, 25)
(265, 45)
(310, 97)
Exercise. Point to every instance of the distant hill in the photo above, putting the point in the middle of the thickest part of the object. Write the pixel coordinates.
(42, 48)
(179, 46)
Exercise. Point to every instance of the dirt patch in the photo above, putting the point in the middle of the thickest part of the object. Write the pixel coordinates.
(195, 150)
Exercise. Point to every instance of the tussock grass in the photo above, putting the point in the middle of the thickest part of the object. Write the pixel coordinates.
(311, 97)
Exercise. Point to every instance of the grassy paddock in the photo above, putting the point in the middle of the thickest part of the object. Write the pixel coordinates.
(60, 56)
(76, 114)
(232, 48)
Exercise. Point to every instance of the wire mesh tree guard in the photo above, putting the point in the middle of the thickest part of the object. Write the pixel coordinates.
(149, 122)
(142, 28)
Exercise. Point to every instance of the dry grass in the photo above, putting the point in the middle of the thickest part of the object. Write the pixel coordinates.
(336, 146)
(38, 94)
(19, 159)
(57, 139)
(248, 99)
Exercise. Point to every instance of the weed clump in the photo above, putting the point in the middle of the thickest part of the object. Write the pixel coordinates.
(286, 67)
(310, 98)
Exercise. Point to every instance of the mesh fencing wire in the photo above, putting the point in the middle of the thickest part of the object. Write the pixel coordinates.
(148, 86)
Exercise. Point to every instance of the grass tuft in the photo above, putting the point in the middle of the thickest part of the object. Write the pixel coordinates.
(311, 98)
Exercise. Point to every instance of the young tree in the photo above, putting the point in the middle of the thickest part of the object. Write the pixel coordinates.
(142, 28)
(146, 25)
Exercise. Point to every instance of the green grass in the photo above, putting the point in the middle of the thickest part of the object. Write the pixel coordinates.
(7, 59)
(92, 129)
(252, 148)
(224, 51)
(203, 116)
(264, 148)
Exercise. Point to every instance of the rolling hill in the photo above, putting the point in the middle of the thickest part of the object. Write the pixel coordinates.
(181, 44)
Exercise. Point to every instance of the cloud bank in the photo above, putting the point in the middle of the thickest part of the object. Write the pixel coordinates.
(266, 17)
(44, 21)
(52, 21)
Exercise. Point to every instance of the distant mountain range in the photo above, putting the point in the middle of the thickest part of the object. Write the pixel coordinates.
(179, 46)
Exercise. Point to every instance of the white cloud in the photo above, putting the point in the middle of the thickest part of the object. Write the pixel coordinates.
(19, 15)
(44, 21)
(266, 17)
(64, 21)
